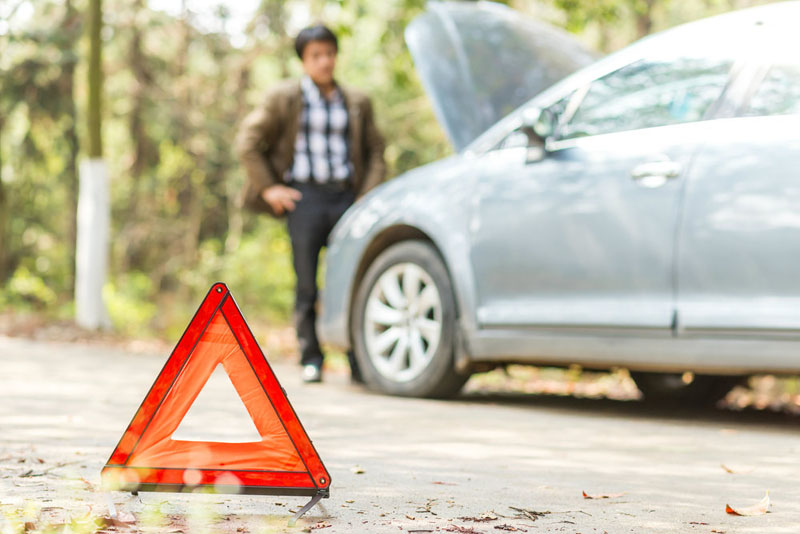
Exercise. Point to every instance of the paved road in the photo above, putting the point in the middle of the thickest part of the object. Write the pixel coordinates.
(407, 464)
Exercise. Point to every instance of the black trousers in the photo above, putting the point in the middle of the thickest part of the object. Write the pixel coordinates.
(309, 226)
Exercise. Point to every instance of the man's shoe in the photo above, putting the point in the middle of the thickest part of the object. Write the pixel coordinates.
(312, 373)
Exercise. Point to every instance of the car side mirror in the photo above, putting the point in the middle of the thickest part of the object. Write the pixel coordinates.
(539, 125)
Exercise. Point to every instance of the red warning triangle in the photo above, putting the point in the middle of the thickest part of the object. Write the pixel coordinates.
(283, 462)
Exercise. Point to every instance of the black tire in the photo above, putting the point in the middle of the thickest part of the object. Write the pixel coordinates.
(439, 378)
(703, 390)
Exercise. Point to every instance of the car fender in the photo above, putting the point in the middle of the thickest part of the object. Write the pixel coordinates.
(439, 214)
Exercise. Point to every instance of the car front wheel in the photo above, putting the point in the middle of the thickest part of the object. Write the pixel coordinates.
(403, 323)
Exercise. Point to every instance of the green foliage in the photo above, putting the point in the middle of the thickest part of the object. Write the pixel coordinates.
(258, 272)
(129, 299)
(27, 290)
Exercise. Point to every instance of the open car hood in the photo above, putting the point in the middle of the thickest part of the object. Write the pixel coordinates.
(479, 61)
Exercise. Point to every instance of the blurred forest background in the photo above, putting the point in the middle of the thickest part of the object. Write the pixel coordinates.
(177, 85)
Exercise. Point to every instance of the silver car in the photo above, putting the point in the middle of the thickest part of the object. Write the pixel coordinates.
(643, 211)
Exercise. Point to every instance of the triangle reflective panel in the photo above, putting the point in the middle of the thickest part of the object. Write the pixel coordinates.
(277, 458)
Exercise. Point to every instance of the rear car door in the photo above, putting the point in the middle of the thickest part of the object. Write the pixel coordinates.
(740, 237)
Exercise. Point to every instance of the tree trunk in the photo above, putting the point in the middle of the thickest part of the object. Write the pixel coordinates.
(235, 219)
(95, 103)
(644, 18)
(142, 147)
(93, 200)
(135, 122)
(71, 27)
(190, 197)
(3, 215)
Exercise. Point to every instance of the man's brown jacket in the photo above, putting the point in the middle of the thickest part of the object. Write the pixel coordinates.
(266, 138)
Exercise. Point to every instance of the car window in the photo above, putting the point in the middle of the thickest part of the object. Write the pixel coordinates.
(778, 94)
(649, 93)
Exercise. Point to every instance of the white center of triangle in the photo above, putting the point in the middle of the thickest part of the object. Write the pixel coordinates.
(217, 414)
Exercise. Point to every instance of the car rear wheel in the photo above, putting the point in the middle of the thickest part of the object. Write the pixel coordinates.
(673, 387)
(403, 323)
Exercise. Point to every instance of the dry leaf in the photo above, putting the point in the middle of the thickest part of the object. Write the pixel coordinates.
(760, 508)
(462, 530)
(603, 495)
(480, 518)
(427, 508)
(528, 514)
(358, 470)
(510, 528)
(736, 471)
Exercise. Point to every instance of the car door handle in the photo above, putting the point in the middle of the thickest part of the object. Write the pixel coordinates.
(656, 173)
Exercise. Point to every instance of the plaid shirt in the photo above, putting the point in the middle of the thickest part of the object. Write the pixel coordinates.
(321, 152)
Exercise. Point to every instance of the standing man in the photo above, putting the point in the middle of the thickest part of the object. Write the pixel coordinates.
(309, 151)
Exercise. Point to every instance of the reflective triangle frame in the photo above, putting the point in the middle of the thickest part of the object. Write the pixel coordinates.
(234, 474)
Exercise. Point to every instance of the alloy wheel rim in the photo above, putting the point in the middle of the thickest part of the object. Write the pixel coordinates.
(403, 322)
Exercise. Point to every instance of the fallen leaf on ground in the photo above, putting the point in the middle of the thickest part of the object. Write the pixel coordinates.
(440, 483)
(123, 520)
(760, 508)
(509, 528)
(427, 508)
(349, 501)
(463, 530)
(529, 514)
(697, 523)
(603, 495)
(358, 470)
(480, 518)
(735, 471)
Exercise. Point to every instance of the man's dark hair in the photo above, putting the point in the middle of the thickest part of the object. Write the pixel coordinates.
(317, 32)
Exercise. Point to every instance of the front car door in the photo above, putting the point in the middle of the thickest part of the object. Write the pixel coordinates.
(584, 238)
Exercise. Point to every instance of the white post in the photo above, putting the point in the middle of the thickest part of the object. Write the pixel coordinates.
(91, 255)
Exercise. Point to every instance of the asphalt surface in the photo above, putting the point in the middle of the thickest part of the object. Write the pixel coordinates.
(405, 465)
